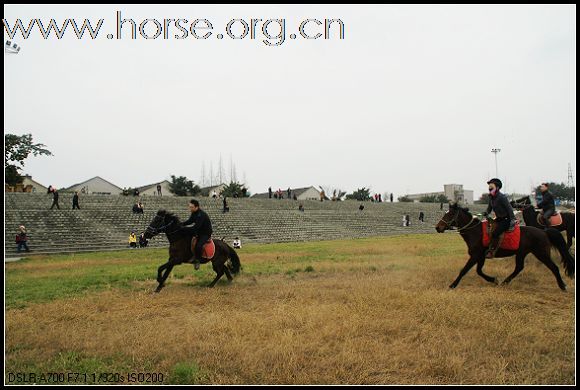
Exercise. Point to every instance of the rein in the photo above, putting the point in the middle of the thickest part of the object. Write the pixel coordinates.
(160, 229)
(462, 228)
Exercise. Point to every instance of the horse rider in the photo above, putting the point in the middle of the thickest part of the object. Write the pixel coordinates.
(547, 204)
(201, 229)
(504, 215)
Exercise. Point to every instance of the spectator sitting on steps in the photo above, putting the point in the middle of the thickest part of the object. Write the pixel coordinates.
(138, 208)
(237, 244)
(132, 240)
(142, 241)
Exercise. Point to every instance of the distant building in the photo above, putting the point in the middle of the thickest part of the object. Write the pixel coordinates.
(96, 185)
(207, 191)
(453, 192)
(151, 189)
(27, 185)
(305, 193)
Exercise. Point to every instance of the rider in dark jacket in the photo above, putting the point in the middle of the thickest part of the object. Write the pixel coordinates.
(201, 229)
(504, 215)
(548, 205)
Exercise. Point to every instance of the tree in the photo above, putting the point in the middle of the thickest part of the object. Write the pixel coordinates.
(560, 191)
(440, 198)
(181, 186)
(404, 198)
(360, 194)
(17, 149)
(235, 190)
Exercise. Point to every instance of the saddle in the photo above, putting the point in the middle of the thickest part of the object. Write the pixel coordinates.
(555, 219)
(208, 250)
(511, 239)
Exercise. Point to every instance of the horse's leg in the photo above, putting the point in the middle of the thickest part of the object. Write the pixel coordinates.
(161, 269)
(519, 267)
(470, 263)
(545, 258)
(219, 270)
(164, 277)
(480, 264)
(569, 237)
(228, 274)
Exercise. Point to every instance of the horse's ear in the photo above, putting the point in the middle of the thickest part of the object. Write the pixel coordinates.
(161, 212)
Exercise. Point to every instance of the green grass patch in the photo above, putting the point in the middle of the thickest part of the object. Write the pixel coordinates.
(186, 373)
(46, 278)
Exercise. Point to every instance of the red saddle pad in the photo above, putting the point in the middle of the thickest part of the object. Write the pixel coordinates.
(511, 240)
(208, 250)
(555, 219)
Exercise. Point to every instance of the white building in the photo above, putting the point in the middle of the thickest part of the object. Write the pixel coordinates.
(151, 189)
(29, 185)
(304, 193)
(453, 192)
(96, 185)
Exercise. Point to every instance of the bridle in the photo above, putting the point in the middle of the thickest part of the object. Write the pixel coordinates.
(455, 220)
(155, 231)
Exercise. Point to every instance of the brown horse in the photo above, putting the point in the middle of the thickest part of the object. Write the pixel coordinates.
(532, 240)
(180, 249)
(531, 218)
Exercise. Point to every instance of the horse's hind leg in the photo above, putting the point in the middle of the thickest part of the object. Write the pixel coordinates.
(480, 272)
(519, 267)
(545, 258)
(569, 237)
(228, 274)
(218, 276)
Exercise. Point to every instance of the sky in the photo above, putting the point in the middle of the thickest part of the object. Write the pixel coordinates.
(412, 97)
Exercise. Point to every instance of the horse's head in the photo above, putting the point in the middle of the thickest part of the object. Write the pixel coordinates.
(160, 223)
(522, 203)
(456, 216)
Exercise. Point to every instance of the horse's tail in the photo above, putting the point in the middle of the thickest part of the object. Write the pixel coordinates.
(558, 241)
(235, 260)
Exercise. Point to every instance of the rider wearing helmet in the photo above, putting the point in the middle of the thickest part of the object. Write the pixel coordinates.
(504, 215)
(547, 204)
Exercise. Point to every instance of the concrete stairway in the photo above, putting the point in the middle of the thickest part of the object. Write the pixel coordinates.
(105, 221)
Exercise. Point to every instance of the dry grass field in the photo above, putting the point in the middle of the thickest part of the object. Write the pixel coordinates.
(369, 311)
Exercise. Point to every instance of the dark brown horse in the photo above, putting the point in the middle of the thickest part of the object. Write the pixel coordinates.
(180, 249)
(531, 218)
(532, 240)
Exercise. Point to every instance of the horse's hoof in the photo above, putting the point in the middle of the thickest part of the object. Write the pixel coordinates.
(563, 287)
(452, 286)
(495, 281)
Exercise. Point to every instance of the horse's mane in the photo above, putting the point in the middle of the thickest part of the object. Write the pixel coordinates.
(464, 209)
(169, 215)
(523, 200)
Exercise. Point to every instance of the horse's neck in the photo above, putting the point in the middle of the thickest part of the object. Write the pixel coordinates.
(471, 234)
(174, 235)
(530, 215)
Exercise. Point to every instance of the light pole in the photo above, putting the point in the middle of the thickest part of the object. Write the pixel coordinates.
(495, 151)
